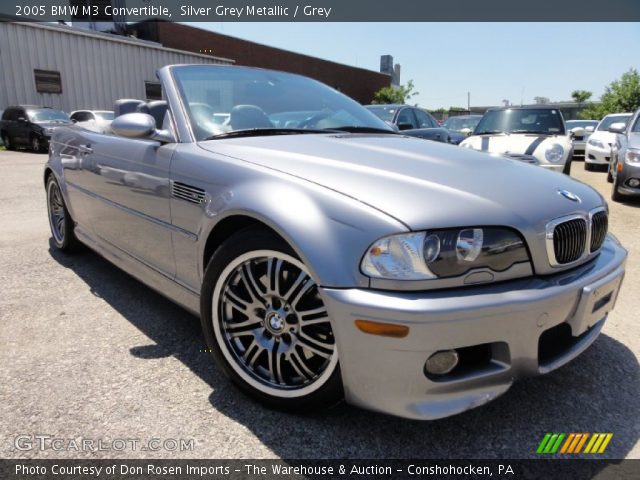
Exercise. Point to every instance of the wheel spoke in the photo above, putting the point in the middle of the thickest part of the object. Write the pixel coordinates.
(305, 288)
(315, 321)
(252, 353)
(301, 278)
(315, 346)
(242, 329)
(275, 364)
(251, 284)
(296, 361)
(235, 300)
(274, 266)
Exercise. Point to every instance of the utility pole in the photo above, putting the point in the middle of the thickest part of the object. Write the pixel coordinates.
(469, 102)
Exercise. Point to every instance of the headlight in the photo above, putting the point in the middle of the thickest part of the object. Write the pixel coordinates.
(443, 253)
(554, 153)
(632, 156)
(595, 143)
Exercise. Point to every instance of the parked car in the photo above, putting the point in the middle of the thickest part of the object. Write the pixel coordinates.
(411, 121)
(598, 149)
(534, 135)
(30, 126)
(461, 126)
(96, 120)
(624, 168)
(339, 258)
(580, 130)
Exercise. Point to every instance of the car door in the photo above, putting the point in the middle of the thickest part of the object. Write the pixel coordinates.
(126, 185)
(426, 121)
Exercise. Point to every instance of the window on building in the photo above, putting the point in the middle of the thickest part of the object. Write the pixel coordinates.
(153, 90)
(48, 81)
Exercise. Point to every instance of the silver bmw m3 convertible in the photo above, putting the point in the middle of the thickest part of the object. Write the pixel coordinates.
(330, 257)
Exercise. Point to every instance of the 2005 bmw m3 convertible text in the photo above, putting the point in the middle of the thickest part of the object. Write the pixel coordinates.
(329, 256)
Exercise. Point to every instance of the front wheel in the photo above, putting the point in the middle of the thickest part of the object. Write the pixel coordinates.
(60, 221)
(6, 140)
(267, 325)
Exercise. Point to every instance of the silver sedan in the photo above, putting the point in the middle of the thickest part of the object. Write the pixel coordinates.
(330, 257)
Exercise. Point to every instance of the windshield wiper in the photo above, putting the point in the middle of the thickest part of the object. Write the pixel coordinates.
(258, 132)
(356, 129)
(489, 132)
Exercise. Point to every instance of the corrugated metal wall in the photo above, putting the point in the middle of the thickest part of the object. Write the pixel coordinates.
(96, 69)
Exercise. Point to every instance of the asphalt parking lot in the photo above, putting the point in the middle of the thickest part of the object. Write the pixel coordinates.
(90, 353)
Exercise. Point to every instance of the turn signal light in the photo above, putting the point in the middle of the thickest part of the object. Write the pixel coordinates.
(382, 329)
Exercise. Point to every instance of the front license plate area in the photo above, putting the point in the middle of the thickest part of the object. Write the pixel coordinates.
(596, 301)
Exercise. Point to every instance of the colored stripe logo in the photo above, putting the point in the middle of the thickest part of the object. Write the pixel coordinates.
(574, 443)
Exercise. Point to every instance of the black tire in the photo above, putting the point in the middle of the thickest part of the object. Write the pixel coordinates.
(60, 222)
(6, 140)
(35, 143)
(244, 258)
(567, 166)
(615, 195)
(609, 176)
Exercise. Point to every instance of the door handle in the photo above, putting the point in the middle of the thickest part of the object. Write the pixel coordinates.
(85, 149)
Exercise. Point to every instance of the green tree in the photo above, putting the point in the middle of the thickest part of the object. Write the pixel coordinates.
(622, 95)
(395, 94)
(580, 96)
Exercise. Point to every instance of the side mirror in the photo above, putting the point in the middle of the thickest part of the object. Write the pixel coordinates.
(140, 125)
(405, 126)
(590, 129)
(618, 127)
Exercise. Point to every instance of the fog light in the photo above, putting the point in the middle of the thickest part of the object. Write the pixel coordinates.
(441, 363)
(634, 182)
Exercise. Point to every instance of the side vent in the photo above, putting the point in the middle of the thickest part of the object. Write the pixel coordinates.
(187, 193)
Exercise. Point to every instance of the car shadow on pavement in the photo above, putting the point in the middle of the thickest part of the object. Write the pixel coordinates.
(598, 392)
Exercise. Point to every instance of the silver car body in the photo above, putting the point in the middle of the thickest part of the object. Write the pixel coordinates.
(580, 131)
(625, 159)
(158, 209)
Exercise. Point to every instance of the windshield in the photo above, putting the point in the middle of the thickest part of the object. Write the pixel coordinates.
(105, 115)
(458, 123)
(220, 100)
(383, 112)
(609, 120)
(581, 124)
(531, 120)
(47, 115)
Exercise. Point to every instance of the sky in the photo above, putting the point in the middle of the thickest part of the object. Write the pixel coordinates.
(492, 61)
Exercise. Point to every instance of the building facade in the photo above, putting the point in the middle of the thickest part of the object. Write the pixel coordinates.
(358, 83)
(71, 69)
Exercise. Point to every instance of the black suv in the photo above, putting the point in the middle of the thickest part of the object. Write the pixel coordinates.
(30, 126)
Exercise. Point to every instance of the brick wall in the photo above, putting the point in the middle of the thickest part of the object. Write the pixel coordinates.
(359, 83)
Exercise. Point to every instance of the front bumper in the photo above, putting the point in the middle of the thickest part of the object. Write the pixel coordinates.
(628, 172)
(600, 156)
(388, 374)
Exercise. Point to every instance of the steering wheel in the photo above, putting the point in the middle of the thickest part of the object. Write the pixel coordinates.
(313, 120)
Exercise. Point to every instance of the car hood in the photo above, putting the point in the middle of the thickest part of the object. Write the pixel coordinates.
(604, 136)
(421, 183)
(530, 144)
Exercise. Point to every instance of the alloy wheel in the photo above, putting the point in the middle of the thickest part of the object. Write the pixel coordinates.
(272, 325)
(57, 215)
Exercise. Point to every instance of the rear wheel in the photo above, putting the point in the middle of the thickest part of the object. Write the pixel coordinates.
(60, 221)
(36, 143)
(267, 326)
